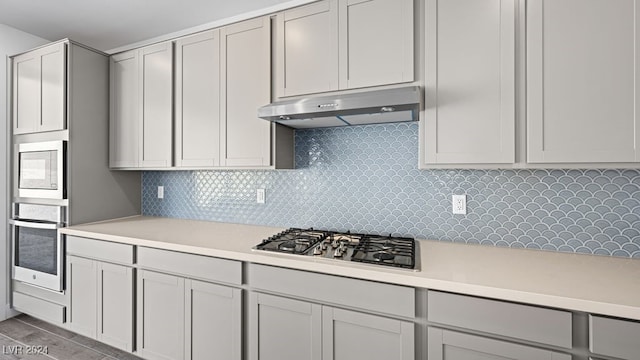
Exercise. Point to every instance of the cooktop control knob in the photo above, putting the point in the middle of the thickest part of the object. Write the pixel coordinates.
(317, 251)
(337, 253)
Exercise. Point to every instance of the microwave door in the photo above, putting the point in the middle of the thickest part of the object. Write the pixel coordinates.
(40, 170)
(37, 254)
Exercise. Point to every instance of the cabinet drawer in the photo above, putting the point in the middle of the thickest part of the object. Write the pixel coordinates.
(190, 265)
(100, 250)
(614, 337)
(368, 295)
(42, 309)
(541, 325)
(446, 344)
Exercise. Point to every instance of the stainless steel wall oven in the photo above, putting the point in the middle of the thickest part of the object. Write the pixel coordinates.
(37, 247)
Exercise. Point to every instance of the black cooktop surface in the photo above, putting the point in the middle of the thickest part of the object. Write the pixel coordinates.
(365, 248)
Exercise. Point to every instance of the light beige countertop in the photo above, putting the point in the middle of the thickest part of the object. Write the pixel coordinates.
(595, 284)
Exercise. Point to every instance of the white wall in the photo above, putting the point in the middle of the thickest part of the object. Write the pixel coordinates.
(12, 41)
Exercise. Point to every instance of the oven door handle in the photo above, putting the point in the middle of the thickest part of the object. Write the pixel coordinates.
(35, 225)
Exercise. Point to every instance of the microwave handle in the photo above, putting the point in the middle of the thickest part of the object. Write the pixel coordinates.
(35, 225)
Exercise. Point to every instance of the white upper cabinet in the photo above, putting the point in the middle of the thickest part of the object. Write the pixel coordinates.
(222, 77)
(470, 82)
(246, 82)
(375, 42)
(198, 100)
(582, 81)
(307, 49)
(39, 91)
(344, 44)
(124, 124)
(141, 107)
(156, 80)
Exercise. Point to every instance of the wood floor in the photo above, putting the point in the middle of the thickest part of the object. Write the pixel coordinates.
(23, 335)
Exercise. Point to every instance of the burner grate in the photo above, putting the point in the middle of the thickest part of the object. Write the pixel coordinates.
(386, 250)
(293, 240)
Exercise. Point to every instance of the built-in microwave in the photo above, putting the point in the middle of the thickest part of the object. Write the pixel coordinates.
(37, 247)
(40, 169)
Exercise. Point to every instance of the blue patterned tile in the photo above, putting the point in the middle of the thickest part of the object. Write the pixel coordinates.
(366, 179)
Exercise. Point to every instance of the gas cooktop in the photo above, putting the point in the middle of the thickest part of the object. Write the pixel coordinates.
(399, 252)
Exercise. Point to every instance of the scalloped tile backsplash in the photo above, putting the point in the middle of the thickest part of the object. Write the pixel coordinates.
(365, 179)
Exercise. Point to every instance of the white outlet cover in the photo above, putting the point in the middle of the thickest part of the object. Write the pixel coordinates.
(459, 204)
(160, 192)
(260, 196)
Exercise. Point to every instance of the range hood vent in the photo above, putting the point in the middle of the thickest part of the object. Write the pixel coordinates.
(371, 107)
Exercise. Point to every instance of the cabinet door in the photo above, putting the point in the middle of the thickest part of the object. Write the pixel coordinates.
(156, 86)
(307, 43)
(343, 333)
(160, 316)
(375, 42)
(26, 93)
(470, 82)
(53, 64)
(614, 337)
(115, 305)
(582, 81)
(284, 329)
(81, 284)
(213, 321)
(124, 123)
(451, 345)
(39, 92)
(198, 100)
(246, 81)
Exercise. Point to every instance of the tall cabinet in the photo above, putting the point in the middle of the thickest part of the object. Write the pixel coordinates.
(582, 81)
(470, 81)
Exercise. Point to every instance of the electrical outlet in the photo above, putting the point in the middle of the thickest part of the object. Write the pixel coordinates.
(260, 196)
(160, 192)
(459, 204)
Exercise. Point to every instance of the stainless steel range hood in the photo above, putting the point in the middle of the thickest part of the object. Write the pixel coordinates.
(371, 107)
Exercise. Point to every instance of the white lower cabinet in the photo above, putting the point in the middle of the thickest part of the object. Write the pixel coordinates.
(348, 335)
(101, 301)
(160, 316)
(613, 337)
(284, 328)
(180, 318)
(453, 345)
(115, 305)
(81, 283)
(100, 283)
(213, 321)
